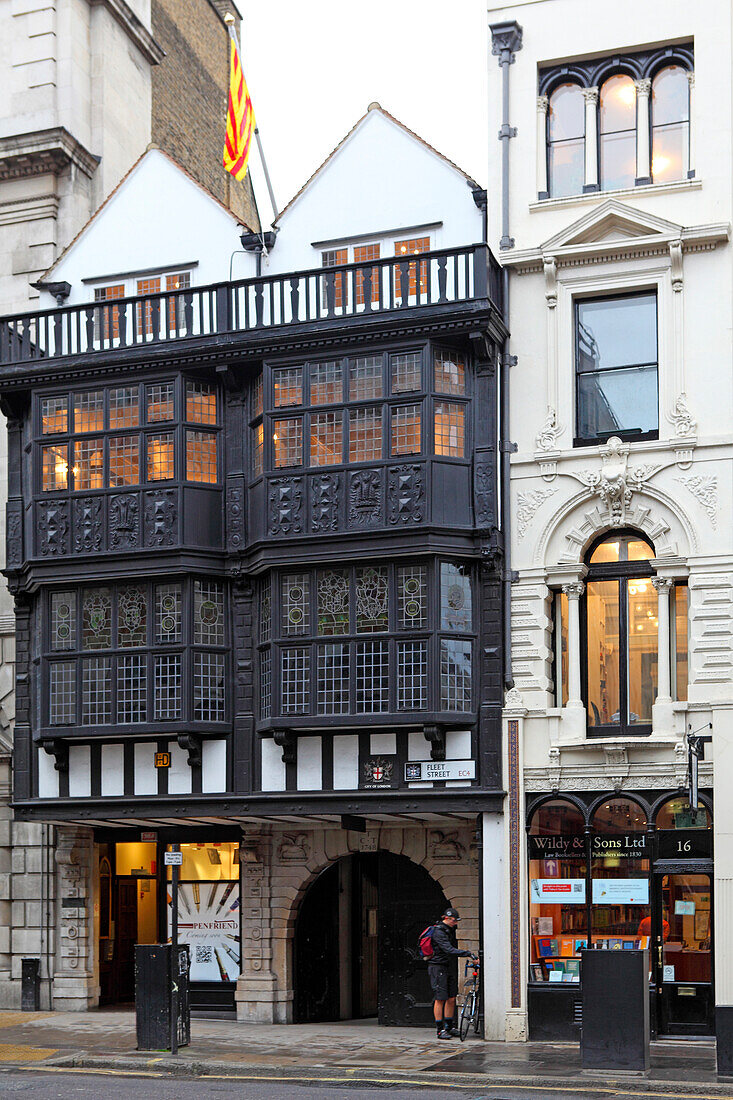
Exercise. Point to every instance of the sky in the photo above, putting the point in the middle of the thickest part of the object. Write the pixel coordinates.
(314, 66)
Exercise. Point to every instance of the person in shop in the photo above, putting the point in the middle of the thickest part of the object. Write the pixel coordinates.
(645, 928)
(443, 973)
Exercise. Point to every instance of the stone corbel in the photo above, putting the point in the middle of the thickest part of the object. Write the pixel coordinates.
(191, 744)
(435, 736)
(549, 265)
(554, 769)
(59, 750)
(616, 765)
(288, 742)
(675, 256)
(680, 763)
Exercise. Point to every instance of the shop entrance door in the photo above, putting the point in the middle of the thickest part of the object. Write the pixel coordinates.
(682, 955)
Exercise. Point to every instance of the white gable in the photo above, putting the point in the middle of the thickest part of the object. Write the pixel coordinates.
(381, 179)
(158, 219)
(612, 221)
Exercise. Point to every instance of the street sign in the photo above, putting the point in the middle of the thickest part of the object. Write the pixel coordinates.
(162, 760)
(173, 859)
(421, 771)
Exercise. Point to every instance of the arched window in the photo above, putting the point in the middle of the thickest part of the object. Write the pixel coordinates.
(566, 140)
(670, 124)
(621, 636)
(677, 813)
(620, 903)
(618, 132)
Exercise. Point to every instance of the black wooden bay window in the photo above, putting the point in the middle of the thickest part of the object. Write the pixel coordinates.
(364, 408)
(369, 639)
(120, 436)
(135, 654)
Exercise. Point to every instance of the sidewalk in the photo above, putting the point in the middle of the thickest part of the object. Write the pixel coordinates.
(349, 1051)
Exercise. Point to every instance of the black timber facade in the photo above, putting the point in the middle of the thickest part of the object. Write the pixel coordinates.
(181, 466)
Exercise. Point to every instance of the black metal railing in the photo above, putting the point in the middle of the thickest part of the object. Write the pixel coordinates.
(446, 276)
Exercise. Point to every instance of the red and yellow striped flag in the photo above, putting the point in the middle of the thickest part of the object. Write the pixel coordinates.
(240, 118)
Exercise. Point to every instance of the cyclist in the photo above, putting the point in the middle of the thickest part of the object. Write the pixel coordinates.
(443, 972)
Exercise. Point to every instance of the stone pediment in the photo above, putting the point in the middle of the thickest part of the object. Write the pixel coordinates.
(612, 222)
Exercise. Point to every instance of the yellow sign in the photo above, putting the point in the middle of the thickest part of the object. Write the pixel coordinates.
(162, 760)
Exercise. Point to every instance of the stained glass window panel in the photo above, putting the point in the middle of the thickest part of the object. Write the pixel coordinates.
(63, 620)
(372, 600)
(208, 617)
(455, 597)
(96, 618)
(132, 616)
(412, 597)
(333, 602)
(167, 613)
(296, 604)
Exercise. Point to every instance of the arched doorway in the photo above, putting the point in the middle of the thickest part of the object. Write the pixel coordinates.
(355, 947)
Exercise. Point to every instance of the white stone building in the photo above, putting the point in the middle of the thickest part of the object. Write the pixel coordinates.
(610, 211)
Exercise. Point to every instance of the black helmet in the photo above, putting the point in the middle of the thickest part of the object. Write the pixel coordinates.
(450, 912)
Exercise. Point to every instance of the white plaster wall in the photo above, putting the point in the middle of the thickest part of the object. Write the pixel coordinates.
(381, 180)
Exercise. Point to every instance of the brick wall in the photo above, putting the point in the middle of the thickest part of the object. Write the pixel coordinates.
(190, 89)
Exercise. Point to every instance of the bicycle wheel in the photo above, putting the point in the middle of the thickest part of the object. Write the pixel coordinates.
(467, 1014)
(477, 1015)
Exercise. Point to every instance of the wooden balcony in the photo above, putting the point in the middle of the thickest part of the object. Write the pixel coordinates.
(350, 292)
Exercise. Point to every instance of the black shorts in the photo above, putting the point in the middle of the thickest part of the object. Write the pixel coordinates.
(443, 980)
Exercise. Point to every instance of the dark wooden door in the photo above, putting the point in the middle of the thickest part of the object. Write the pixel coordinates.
(368, 914)
(126, 938)
(316, 951)
(409, 900)
(682, 953)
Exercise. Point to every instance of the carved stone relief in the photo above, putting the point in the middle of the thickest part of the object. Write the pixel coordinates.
(160, 522)
(705, 489)
(123, 521)
(293, 848)
(549, 432)
(235, 516)
(528, 502)
(365, 498)
(681, 417)
(52, 525)
(405, 495)
(14, 533)
(285, 506)
(87, 524)
(325, 492)
(483, 492)
(445, 847)
(615, 482)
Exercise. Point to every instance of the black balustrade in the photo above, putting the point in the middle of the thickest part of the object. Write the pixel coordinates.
(445, 276)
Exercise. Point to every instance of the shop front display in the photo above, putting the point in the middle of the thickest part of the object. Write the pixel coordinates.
(599, 879)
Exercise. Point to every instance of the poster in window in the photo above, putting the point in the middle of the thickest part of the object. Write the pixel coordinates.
(620, 891)
(208, 922)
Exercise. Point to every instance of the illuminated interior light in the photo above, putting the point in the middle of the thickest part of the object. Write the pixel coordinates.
(626, 93)
(660, 164)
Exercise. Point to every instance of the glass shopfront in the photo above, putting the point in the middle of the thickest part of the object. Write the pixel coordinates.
(615, 876)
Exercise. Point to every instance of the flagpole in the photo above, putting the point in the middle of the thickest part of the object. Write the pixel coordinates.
(229, 20)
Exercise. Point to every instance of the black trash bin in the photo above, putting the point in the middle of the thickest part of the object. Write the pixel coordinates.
(615, 1033)
(30, 985)
(156, 969)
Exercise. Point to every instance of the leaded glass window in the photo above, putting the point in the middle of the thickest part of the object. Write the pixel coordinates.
(287, 386)
(208, 615)
(365, 435)
(54, 468)
(296, 603)
(201, 457)
(96, 618)
(89, 464)
(450, 429)
(333, 601)
(265, 683)
(167, 613)
(450, 373)
(412, 597)
(208, 687)
(333, 679)
(161, 457)
(372, 677)
(124, 407)
(167, 687)
(406, 430)
(124, 460)
(371, 600)
(96, 691)
(295, 680)
(54, 415)
(327, 383)
(265, 609)
(406, 372)
(455, 597)
(412, 675)
(200, 403)
(455, 674)
(288, 442)
(365, 378)
(132, 615)
(132, 701)
(160, 402)
(326, 443)
(258, 449)
(89, 411)
(63, 620)
(62, 692)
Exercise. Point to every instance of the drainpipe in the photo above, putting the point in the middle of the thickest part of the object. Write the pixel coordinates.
(506, 40)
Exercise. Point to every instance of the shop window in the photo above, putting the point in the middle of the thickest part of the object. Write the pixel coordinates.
(208, 891)
(616, 368)
(620, 903)
(617, 132)
(677, 813)
(566, 141)
(670, 124)
(621, 631)
(679, 630)
(558, 914)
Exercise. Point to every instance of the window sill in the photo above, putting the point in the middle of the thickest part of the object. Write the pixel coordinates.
(645, 740)
(591, 197)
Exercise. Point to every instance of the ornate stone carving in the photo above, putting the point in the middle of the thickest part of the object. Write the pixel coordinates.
(549, 265)
(160, 521)
(681, 417)
(445, 847)
(325, 489)
(365, 498)
(554, 768)
(643, 86)
(483, 493)
(543, 103)
(286, 506)
(52, 524)
(513, 699)
(123, 521)
(527, 504)
(549, 432)
(405, 495)
(705, 488)
(662, 584)
(73, 860)
(574, 590)
(675, 258)
(14, 534)
(87, 524)
(235, 516)
(590, 95)
(616, 765)
(293, 848)
(615, 482)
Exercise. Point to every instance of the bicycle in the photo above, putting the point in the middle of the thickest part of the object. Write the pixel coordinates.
(471, 1011)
